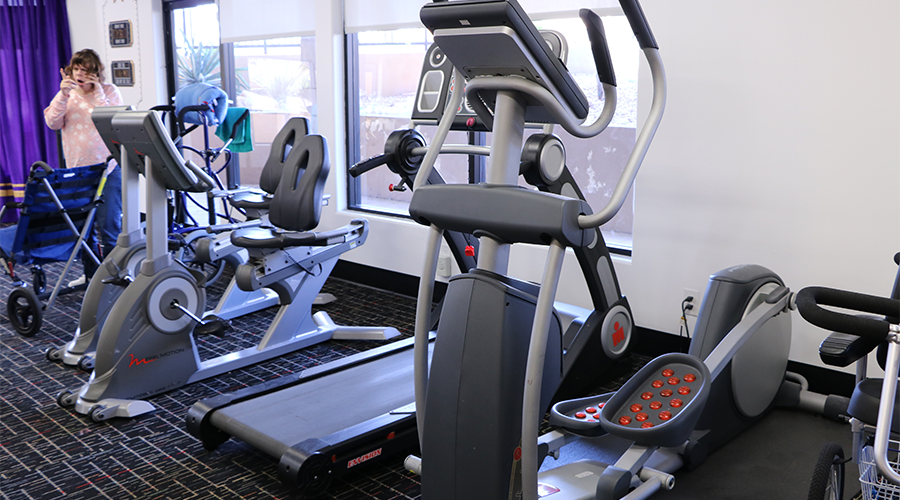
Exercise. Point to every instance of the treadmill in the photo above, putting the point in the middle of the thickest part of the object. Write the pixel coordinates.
(323, 422)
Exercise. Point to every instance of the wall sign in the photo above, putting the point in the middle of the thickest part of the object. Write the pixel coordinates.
(120, 34)
(123, 73)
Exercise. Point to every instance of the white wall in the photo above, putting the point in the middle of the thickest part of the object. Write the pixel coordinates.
(779, 147)
(89, 28)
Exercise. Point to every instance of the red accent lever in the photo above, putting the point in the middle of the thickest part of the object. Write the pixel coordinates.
(470, 122)
(470, 251)
(390, 187)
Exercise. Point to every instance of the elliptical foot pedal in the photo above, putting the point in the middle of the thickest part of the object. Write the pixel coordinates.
(580, 416)
(661, 403)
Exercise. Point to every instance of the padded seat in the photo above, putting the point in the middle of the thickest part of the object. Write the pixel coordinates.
(296, 206)
(283, 146)
(864, 403)
(267, 238)
(251, 200)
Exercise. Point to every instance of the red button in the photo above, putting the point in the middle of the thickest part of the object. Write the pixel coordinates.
(470, 251)
(657, 384)
(655, 405)
(580, 415)
(690, 377)
(647, 395)
(597, 417)
(590, 409)
(676, 403)
(666, 393)
(665, 415)
(684, 390)
(636, 408)
(646, 425)
(601, 405)
(673, 381)
(640, 417)
(625, 420)
(667, 372)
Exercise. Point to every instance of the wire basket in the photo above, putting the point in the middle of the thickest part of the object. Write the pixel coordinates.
(875, 486)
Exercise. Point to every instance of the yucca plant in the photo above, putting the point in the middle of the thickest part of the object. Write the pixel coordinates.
(199, 64)
(284, 83)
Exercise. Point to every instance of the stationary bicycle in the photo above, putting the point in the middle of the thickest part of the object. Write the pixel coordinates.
(146, 346)
(480, 401)
(853, 337)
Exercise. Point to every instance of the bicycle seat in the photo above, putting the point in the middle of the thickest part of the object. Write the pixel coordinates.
(864, 403)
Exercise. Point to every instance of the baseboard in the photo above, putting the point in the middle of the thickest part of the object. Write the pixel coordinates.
(647, 342)
(391, 281)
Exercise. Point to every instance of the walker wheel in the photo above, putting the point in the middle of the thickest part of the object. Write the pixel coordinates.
(25, 311)
(53, 354)
(38, 280)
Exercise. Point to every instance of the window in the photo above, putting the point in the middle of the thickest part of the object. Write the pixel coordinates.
(384, 68)
(388, 65)
(275, 80)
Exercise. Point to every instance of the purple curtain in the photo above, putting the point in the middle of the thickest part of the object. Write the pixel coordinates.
(34, 44)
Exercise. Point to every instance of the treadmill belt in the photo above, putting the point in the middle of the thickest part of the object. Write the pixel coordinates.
(322, 406)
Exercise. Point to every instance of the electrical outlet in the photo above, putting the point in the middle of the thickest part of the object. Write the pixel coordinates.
(694, 295)
(445, 266)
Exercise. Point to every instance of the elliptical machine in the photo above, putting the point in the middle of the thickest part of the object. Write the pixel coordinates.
(485, 372)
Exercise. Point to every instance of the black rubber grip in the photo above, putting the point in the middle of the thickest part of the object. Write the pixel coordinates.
(599, 47)
(39, 164)
(811, 299)
(638, 23)
(366, 165)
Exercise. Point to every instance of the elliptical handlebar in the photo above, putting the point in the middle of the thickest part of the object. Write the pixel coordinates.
(639, 24)
(370, 163)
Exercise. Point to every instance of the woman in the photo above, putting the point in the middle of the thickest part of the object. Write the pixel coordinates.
(81, 90)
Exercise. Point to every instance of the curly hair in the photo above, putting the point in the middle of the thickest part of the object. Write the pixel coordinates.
(87, 59)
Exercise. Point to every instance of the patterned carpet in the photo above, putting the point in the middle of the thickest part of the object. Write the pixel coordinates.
(50, 452)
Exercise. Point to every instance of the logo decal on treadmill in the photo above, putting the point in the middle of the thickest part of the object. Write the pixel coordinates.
(135, 361)
(618, 334)
(364, 458)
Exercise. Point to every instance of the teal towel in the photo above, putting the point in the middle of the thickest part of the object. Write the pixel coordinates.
(243, 139)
